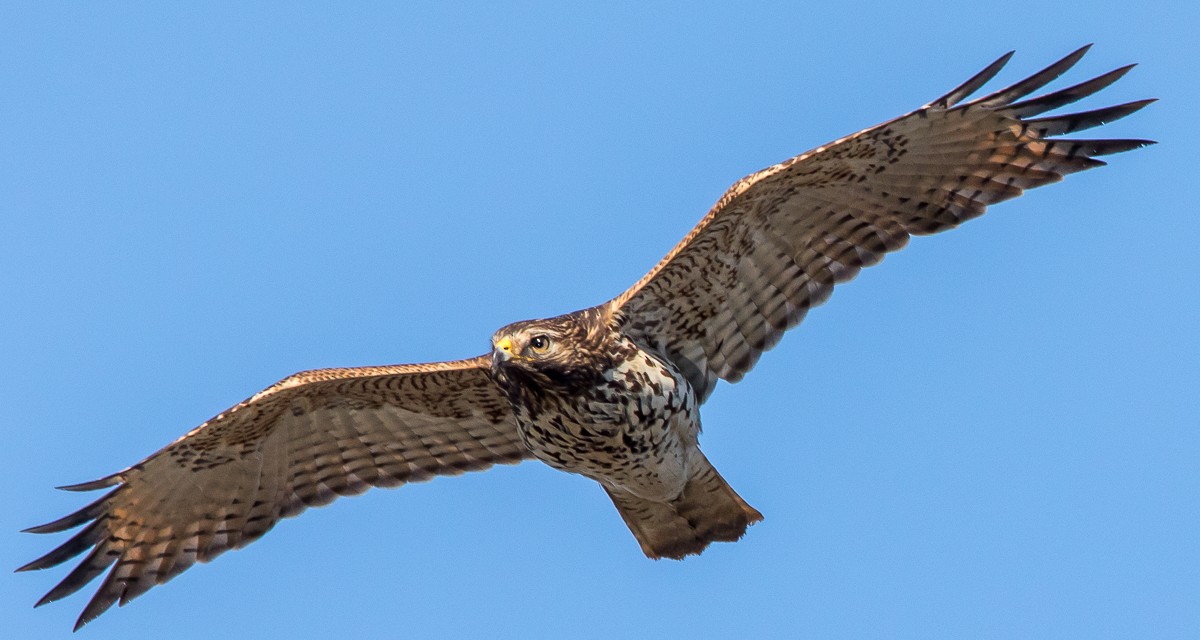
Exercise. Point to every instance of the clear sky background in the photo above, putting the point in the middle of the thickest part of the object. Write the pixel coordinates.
(993, 434)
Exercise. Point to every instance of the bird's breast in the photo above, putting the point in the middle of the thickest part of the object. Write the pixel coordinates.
(632, 428)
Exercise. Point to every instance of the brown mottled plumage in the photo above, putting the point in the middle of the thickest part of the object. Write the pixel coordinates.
(611, 392)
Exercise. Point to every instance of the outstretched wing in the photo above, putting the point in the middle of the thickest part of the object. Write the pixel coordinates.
(779, 240)
(301, 443)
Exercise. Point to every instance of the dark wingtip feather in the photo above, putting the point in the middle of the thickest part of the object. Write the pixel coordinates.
(973, 83)
(1041, 104)
(90, 512)
(78, 543)
(1034, 82)
(1071, 122)
(1108, 147)
(102, 483)
(101, 602)
(93, 565)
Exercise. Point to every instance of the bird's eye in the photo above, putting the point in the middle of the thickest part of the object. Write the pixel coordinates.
(539, 344)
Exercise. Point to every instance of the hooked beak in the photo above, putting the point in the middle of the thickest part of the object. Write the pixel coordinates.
(502, 351)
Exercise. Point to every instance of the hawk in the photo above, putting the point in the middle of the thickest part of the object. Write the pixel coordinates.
(612, 392)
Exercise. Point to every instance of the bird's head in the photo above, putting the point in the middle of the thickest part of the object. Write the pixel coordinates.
(554, 352)
(528, 344)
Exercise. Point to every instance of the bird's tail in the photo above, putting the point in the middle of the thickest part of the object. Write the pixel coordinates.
(707, 511)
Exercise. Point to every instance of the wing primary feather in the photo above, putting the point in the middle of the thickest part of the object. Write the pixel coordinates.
(1062, 97)
(93, 565)
(88, 513)
(1058, 125)
(1107, 147)
(76, 545)
(102, 483)
(1033, 82)
(973, 83)
(105, 597)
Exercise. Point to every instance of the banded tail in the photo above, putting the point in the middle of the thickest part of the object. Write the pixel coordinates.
(707, 511)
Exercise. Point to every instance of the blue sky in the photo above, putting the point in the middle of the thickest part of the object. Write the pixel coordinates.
(993, 434)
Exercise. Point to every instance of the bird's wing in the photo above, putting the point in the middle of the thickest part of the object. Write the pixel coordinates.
(779, 240)
(300, 443)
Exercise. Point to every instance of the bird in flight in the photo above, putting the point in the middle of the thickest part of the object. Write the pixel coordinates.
(612, 392)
